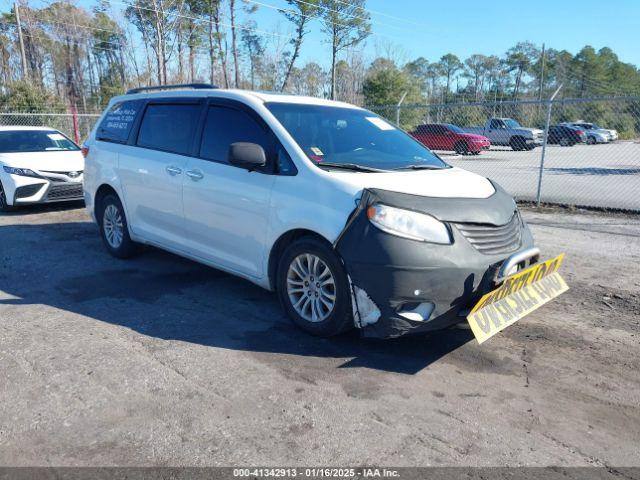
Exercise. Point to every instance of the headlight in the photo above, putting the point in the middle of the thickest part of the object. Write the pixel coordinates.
(408, 224)
(25, 172)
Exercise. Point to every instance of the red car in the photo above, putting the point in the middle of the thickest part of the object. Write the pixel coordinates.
(445, 136)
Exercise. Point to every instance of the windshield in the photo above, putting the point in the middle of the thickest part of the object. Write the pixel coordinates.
(353, 137)
(14, 141)
(454, 128)
(511, 123)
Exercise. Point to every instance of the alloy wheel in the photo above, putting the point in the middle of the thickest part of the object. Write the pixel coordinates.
(311, 287)
(113, 226)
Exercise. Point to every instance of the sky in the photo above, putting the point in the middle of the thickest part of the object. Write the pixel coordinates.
(430, 28)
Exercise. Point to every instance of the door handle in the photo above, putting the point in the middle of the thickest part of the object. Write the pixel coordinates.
(173, 171)
(195, 175)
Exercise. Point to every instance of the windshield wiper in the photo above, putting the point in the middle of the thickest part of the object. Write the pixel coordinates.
(350, 166)
(420, 167)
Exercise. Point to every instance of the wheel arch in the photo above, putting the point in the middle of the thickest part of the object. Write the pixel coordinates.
(102, 191)
(281, 244)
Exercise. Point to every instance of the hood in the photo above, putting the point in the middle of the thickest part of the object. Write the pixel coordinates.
(45, 161)
(497, 209)
(446, 183)
(473, 136)
(533, 131)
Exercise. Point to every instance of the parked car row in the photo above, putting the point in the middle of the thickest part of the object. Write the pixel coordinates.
(594, 133)
(507, 132)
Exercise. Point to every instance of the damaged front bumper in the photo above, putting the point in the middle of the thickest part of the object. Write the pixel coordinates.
(402, 286)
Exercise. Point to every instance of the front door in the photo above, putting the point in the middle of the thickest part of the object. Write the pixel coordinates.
(226, 208)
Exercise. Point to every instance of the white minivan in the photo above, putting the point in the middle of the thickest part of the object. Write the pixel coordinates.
(349, 219)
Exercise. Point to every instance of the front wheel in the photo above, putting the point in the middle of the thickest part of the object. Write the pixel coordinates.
(313, 288)
(564, 142)
(114, 229)
(517, 143)
(461, 148)
(4, 206)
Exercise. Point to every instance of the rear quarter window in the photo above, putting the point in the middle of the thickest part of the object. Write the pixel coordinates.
(118, 121)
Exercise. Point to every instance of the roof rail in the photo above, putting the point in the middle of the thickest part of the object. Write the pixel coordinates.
(170, 87)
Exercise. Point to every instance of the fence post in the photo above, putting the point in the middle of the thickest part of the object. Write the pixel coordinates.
(544, 144)
(398, 109)
(76, 127)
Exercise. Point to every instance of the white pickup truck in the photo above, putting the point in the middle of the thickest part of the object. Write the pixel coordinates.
(506, 131)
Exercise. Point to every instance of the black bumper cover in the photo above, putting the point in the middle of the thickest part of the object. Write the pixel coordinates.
(398, 273)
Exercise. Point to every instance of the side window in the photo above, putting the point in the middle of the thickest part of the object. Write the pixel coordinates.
(440, 130)
(116, 124)
(495, 124)
(169, 127)
(285, 165)
(225, 126)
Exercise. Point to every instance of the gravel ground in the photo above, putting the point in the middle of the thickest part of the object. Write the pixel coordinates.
(161, 361)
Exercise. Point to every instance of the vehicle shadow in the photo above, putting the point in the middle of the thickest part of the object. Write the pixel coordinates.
(39, 208)
(164, 296)
(593, 171)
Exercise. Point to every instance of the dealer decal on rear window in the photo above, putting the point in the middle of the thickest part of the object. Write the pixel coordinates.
(519, 295)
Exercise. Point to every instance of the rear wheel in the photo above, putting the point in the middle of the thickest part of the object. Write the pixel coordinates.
(564, 142)
(591, 140)
(4, 207)
(114, 229)
(461, 148)
(313, 288)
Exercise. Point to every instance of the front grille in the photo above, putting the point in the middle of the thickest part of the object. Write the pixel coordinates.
(65, 191)
(71, 174)
(491, 239)
(28, 190)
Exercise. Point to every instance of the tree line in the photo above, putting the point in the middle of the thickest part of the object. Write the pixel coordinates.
(60, 55)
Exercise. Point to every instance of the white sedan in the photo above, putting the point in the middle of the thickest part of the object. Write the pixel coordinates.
(38, 165)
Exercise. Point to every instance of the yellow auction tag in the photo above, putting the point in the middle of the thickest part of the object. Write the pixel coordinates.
(519, 295)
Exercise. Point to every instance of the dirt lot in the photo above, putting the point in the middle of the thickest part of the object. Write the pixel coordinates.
(160, 361)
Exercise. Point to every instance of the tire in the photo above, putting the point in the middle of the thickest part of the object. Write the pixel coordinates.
(461, 148)
(114, 229)
(518, 143)
(297, 266)
(4, 207)
(564, 142)
(591, 140)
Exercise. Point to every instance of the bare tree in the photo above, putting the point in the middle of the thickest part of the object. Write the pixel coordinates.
(234, 46)
(301, 13)
(346, 25)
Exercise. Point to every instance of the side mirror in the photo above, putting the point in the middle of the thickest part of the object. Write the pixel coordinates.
(247, 155)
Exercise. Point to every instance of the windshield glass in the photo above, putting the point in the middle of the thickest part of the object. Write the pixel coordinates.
(14, 141)
(350, 136)
(454, 128)
(511, 123)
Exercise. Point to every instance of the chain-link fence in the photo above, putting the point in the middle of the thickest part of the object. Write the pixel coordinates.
(591, 157)
(76, 126)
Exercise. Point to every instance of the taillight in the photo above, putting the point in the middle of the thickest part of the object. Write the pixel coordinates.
(580, 132)
(85, 151)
